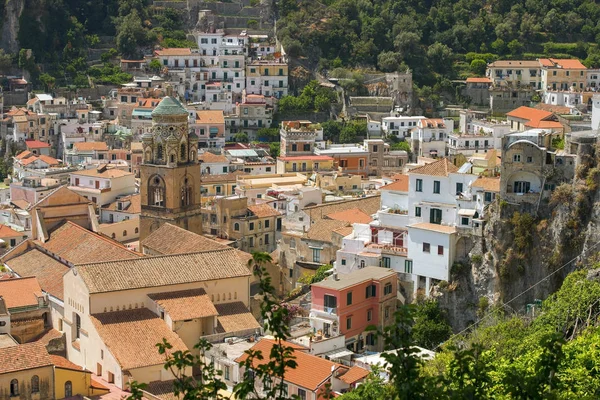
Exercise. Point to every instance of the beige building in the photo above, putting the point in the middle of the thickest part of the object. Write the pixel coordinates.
(26, 373)
(115, 312)
(563, 74)
(102, 185)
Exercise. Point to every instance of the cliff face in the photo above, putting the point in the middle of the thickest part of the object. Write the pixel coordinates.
(10, 25)
(523, 257)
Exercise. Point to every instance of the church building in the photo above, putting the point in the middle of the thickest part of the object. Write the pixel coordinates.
(170, 172)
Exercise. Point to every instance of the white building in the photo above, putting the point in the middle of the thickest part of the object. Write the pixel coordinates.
(430, 136)
(400, 126)
(102, 185)
(123, 209)
(470, 144)
(593, 78)
(515, 73)
(563, 98)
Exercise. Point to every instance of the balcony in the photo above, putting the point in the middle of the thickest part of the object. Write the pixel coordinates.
(387, 248)
(323, 309)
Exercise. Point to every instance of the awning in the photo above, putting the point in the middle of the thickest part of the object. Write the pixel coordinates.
(338, 353)
(468, 213)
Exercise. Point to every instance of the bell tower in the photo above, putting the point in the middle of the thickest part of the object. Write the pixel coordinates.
(170, 172)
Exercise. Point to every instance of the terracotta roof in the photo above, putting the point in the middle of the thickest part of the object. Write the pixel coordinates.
(78, 245)
(354, 375)
(311, 372)
(8, 232)
(24, 356)
(36, 144)
(322, 229)
(49, 160)
(134, 206)
(63, 363)
(488, 184)
(185, 304)
(20, 292)
(263, 210)
(479, 80)
(344, 231)
(131, 337)
(162, 390)
(431, 123)
(400, 184)
(553, 108)
(305, 158)
(48, 271)
(353, 216)
(22, 204)
(172, 51)
(544, 124)
(441, 167)
(171, 239)
(564, 63)
(433, 227)
(231, 177)
(29, 160)
(90, 146)
(529, 114)
(515, 64)
(235, 317)
(369, 205)
(208, 157)
(106, 173)
(23, 154)
(209, 117)
(48, 336)
(161, 270)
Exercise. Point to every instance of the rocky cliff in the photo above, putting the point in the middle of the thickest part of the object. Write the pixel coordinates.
(525, 255)
(10, 13)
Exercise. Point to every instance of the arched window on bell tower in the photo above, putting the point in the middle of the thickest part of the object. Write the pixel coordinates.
(187, 192)
(159, 152)
(156, 192)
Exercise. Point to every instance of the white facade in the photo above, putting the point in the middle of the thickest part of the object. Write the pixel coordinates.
(430, 136)
(470, 144)
(102, 189)
(593, 78)
(400, 126)
(563, 98)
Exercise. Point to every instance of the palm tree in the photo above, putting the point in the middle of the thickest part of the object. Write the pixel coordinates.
(259, 258)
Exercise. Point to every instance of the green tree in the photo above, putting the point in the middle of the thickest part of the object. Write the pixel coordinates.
(388, 61)
(6, 61)
(499, 46)
(402, 145)
(322, 103)
(48, 81)
(241, 137)
(440, 57)
(331, 130)
(155, 66)
(515, 47)
(478, 66)
(374, 388)
(274, 149)
(268, 134)
(431, 326)
(130, 34)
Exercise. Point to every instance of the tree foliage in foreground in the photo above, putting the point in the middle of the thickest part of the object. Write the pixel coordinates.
(554, 356)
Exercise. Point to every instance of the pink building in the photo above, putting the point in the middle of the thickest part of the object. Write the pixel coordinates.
(347, 304)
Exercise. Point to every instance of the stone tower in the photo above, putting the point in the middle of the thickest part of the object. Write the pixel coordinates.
(170, 173)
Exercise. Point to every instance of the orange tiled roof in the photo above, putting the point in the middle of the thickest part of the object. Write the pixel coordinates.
(209, 117)
(263, 210)
(131, 337)
(23, 154)
(36, 144)
(564, 63)
(171, 239)
(90, 146)
(24, 356)
(48, 271)
(553, 108)
(185, 304)
(49, 160)
(48, 336)
(441, 167)
(528, 113)
(354, 375)
(488, 184)
(311, 372)
(107, 173)
(344, 230)
(172, 51)
(431, 123)
(479, 80)
(235, 317)
(61, 362)
(321, 230)
(400, 185)
(8, 232)
(544, 124)
(230, 177)
(79, 245)
(353, 216)
(20, 292)
(370, 205)
(134, 207)
(208, 157)
(434, 227)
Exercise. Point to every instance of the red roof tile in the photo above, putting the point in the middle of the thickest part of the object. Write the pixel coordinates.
(353, 216)
(36, 144)
(90, 146)
(479, 80)
(8, 232)
(400, 185)
(529, 114)
(263, 210)
(24, 356)
(441, 167)
(20, 292)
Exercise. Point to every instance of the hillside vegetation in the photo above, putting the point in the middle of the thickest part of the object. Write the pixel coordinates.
(437, 39)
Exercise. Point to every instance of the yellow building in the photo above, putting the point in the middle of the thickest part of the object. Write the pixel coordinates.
(26, 373)
(563, 74)
(218, 185)
(339, 182)
(71, 380)
(304, 164)
(267, 78)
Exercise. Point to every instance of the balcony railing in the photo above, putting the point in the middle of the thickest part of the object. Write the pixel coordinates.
(325, 309)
